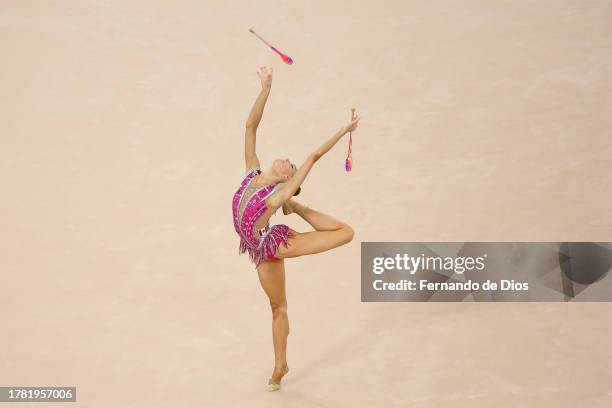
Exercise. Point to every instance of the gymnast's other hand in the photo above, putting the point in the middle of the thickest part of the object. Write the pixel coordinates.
(265, 75)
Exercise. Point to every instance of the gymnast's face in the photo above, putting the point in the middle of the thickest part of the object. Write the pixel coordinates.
(284, 168)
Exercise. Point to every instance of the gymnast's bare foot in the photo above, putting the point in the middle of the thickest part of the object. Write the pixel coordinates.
(287, 208)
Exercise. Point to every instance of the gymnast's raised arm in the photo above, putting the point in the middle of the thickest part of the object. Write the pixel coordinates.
(290, 187)
(250, 135)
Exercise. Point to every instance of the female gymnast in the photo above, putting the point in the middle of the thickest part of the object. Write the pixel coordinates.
(259, 196)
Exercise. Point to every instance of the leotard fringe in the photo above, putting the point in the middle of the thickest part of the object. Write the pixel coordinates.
(268, 245)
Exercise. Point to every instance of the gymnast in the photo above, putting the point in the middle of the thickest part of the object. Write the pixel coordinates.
(260, 195)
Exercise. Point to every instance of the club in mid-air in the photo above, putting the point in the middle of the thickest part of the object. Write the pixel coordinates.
(287, 59)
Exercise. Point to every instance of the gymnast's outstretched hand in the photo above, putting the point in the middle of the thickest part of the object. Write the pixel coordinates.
(354, 122)
(265, 75)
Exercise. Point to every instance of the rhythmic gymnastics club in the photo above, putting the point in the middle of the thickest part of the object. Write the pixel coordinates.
(348, 164)
(287, 59)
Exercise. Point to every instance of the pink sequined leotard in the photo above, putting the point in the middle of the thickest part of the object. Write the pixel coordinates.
(248, 205)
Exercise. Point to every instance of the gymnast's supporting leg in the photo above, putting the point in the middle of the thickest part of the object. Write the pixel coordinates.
(272, 278)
